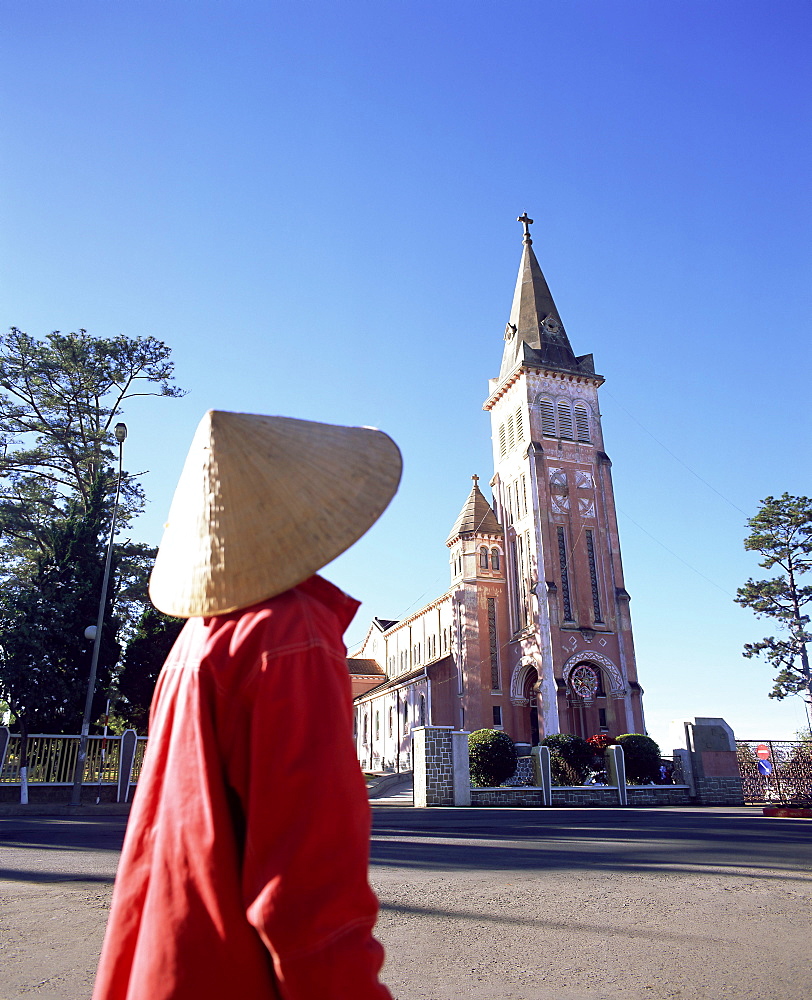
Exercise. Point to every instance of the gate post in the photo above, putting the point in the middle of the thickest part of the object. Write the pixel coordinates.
(542, 772)
(616, 771)
(433, 766)
(462, 769)
(4, 735)
(126, 759)
(715, 768)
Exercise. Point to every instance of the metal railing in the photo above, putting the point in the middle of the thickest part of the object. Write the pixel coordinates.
(52, 760)
(775, 770)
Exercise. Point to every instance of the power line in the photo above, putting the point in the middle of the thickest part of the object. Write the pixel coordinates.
(673, 553)
(673, 455)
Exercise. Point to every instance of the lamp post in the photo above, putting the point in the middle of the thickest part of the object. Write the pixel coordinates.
(78, 775)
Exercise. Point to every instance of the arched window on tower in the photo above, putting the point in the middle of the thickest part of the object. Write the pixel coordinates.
(564, 419)
(483, 558)
(582, 422)
(547, 409)
(495, 559)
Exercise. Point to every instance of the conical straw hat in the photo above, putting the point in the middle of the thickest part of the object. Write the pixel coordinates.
(262, 504)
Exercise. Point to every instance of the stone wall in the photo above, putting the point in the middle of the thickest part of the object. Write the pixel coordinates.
(658, 795)
(507, 797)
(523, 775)
(585, 795)
(719, 791)
(441, 776)
(592, 796)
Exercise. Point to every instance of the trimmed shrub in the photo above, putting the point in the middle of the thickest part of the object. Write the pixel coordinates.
(492, 756)
(570, 758)
(642, 757)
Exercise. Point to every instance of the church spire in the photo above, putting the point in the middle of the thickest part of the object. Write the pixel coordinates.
(534, 331)
(476, 517)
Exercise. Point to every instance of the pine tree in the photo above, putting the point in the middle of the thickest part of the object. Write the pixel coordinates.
(59, 399)
(782, 532)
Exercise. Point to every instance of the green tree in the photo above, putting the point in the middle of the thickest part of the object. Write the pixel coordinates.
(59, 398)
(44, 656)
(142, 661)
(781, 532)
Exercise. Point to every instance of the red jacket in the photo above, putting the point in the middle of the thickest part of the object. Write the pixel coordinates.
(244, 867)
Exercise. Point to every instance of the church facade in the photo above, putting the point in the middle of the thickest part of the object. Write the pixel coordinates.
(534, 634)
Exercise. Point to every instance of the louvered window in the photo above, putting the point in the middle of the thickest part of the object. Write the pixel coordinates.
(511, 433)
(564, 420)
(582, 422)
(502, 439)
(519, 425)
(547, 417)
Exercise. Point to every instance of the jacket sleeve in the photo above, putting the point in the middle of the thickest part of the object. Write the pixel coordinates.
(307, 825)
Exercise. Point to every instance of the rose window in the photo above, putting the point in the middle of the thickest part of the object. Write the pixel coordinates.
(584, 682)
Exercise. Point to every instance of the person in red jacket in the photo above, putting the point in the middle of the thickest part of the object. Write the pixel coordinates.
(244, 866)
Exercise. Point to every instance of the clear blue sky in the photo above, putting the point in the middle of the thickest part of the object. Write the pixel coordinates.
(313, 205)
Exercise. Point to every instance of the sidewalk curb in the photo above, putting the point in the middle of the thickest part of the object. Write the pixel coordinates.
(65, 809)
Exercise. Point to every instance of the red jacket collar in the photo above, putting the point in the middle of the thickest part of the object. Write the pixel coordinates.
(342, 605)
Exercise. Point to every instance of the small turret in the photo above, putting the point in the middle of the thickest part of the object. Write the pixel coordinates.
(476, 540)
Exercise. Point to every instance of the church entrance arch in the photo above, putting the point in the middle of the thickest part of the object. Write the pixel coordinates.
(524, 694)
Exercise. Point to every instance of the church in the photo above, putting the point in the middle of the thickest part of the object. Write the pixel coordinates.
(534, 634)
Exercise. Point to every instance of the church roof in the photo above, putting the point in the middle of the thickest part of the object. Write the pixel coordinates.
(359, 666)
(384, 624)
(535, 334)
(476, 517)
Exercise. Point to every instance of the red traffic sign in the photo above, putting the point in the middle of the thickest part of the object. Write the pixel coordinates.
(763, 751)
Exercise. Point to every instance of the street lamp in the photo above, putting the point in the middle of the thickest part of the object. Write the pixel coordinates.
(78, 775)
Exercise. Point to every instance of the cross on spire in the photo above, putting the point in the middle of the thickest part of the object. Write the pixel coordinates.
(475, 479)
(527, 222)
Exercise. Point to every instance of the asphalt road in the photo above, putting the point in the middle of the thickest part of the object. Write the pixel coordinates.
(488, 904)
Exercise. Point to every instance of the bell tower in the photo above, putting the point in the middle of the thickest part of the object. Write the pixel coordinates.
(570, 654)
